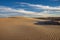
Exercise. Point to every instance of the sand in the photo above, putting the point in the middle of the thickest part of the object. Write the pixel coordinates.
(21, 28)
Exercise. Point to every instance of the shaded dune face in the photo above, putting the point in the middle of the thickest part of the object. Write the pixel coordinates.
(21, 28)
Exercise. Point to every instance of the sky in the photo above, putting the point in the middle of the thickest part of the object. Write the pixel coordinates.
(30, 8)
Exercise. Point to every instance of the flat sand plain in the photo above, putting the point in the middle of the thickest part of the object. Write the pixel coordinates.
(21, 28)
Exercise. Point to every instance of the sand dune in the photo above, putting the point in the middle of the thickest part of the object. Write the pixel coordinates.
(21, 28)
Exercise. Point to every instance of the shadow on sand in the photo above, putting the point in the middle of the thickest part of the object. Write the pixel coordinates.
(46, 23)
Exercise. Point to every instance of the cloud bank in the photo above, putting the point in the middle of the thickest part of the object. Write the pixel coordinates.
(47, 11)
(57, 8)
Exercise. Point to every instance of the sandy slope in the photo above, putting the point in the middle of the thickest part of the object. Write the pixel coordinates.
(21, 28)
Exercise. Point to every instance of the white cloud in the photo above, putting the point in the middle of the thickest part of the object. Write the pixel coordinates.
(19, 11)
(11, 10)
(57, 8)
(47, 10)
(6, 11)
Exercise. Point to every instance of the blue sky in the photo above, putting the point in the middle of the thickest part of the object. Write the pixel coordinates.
(30, 8)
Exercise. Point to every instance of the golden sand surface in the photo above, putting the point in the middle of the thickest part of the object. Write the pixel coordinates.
(21, 28)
